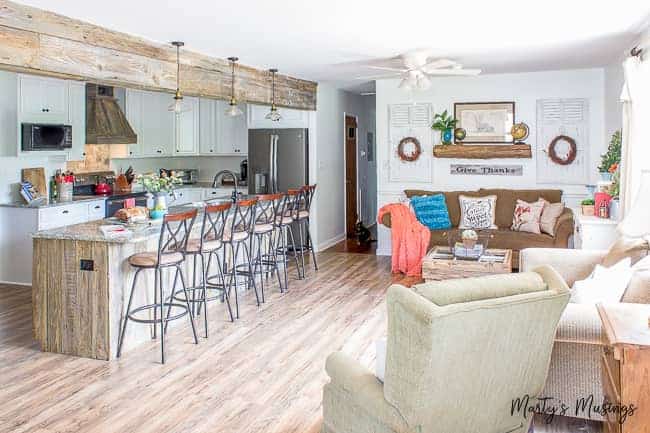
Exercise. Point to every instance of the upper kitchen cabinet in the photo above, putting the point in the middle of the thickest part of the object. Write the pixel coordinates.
(160, 132)
(221, 134)
(133, 112)
(290, 118)
(187, 128)
(42, 100)
(157, 125)
(77, 118)
(233, 131)
(8, 113)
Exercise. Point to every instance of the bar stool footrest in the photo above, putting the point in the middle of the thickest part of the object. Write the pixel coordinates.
(154, 307)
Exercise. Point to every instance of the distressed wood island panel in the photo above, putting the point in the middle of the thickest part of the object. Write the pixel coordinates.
(79, 311)
(41, 42)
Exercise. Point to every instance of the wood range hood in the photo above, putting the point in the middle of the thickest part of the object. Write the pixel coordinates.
(105, 120)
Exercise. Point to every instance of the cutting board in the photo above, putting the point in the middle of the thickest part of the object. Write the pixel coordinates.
(36, 176)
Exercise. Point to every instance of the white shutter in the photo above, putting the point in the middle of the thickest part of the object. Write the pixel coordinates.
(563, 117)
(411, 120)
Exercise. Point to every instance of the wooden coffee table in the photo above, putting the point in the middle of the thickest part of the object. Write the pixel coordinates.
(440, 264)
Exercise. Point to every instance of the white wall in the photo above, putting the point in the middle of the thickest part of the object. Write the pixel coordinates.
(614, 80)
(525, 89)
(329, 225)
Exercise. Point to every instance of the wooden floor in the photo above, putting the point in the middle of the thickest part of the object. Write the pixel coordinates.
(264, 373)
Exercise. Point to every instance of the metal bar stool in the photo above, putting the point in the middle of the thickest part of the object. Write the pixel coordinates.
(265, 260)
(285, 229)
(172, 246)
(209, 244)
(236, 235)
(304, 209)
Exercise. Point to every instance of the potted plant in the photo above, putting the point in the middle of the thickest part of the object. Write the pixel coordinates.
(615, 191)
(444, 123)
(588, 207)
(160, 187)
(609, 160)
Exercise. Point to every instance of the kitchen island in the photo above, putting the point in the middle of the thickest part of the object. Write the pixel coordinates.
(81, 283)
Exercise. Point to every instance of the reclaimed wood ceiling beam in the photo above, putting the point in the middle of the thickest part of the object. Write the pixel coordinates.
(36, 41)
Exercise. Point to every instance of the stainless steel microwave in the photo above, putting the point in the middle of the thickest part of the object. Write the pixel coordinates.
(41, 136)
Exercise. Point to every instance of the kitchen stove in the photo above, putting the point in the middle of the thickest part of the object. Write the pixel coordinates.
(86, 185)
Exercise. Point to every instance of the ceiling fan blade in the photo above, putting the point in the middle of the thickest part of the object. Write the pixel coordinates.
(377, 77)
(454, 72)
(387, 68)
(437, 64)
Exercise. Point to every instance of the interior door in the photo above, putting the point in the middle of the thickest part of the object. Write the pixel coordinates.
(351, 189)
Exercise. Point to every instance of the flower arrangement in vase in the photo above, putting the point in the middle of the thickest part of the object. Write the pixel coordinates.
(444, 123)
(159, 187)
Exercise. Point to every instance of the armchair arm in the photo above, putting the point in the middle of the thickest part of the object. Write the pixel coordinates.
(362, 390)
(572, 265)
(563, 228)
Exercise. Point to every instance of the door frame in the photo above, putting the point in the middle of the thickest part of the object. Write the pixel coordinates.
(345, 162)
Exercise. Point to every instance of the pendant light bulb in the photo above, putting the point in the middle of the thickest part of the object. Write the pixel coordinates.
(178, 106)
(274, 114)
(233, 109)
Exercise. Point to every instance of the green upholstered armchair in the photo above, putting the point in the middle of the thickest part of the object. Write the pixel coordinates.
(458, 353)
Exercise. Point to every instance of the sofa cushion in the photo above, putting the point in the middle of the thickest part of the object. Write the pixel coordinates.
(508, 239)
(432, 211)
(451, 198)
(527, 216)
(477, 212)
(507, 200)
(462, 290)
(550, 215)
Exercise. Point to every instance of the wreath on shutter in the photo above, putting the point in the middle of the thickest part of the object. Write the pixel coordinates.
(570, 157)
(411, 156)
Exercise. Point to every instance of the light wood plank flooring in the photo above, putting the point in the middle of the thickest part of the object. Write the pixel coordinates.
(264, 373)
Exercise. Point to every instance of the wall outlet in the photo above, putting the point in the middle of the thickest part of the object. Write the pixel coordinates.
(87, 265)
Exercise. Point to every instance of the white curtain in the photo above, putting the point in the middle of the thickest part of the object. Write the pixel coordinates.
(636, 128)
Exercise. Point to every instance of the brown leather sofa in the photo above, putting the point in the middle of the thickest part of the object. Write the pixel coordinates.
(503, 237)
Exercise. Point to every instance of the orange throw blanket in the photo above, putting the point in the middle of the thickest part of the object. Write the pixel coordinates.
(409, 239)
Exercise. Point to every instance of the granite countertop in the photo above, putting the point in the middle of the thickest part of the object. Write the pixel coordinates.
(48, 203)
(90, 231)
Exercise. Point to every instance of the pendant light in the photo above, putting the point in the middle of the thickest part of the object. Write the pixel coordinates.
(178, 106)
(273, 115)
(233, 110)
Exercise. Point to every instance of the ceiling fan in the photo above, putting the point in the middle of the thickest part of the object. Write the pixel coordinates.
(415, 68)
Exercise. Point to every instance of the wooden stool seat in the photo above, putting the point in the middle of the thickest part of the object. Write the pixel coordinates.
(150, 259)
(193, 246)
(263, 228)
(237, 237)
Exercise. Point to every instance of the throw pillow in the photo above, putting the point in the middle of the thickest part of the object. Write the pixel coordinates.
(527, 215)
(638, 291)
(550, 214)
(477, 212)
(605, 285)
(380, 358)
(431, 210)
(636, 249)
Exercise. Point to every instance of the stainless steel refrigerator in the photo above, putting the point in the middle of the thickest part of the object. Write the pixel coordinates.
(278, 159)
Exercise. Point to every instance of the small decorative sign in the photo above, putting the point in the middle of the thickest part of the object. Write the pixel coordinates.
(487, 170)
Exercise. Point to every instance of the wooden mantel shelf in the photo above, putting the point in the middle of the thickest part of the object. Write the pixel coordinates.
(483, 151)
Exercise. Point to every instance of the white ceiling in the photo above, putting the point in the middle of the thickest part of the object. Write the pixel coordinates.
(329, 40)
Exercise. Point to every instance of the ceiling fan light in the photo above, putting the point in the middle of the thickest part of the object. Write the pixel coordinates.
(423, 82)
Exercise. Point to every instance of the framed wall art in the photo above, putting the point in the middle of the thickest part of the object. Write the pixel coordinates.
(486, 122)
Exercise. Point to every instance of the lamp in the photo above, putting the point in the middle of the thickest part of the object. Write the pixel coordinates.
(636, 223)
(273, 115)
(178, 106)
(233, 110)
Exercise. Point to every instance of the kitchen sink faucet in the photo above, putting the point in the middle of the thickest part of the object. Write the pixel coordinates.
(235, 193)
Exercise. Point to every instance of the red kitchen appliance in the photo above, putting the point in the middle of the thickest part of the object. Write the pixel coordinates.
(102, 188)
